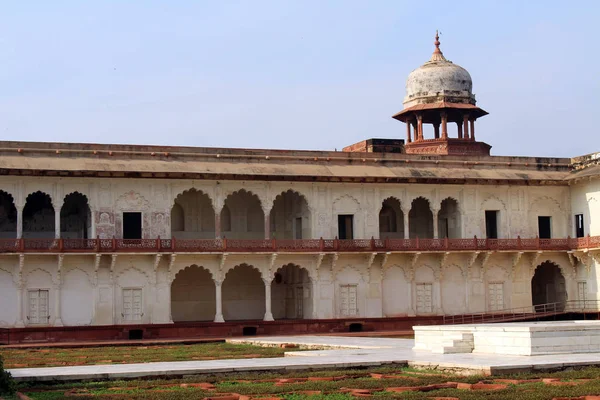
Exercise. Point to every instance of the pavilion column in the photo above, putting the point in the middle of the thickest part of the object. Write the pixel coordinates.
(435, 223)
(19, 222)
(436, 130)
(406, 224)
(444, 125)
(472, 129)
(57, 223)
(268, 313)
(460, 130)
(218, 302)
(217, 225)
(466, 125)
(408, 135)
(420, 126)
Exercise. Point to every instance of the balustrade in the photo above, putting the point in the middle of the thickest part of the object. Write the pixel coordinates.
(291, 245)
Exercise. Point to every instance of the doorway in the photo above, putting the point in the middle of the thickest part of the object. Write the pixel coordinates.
(132, 225)
(544, 227)
(345, 226)
(491, 224)
(548, 286)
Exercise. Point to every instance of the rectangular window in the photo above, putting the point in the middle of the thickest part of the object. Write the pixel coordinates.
(544, 227)
(38, 307)
(132, 304)
(346, 226)
(424, 298)
(132, 225)
(491, 224)
(495, 296)
(579, 230)
(348, 300)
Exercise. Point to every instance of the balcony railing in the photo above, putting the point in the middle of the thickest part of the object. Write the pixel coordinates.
(286, 245)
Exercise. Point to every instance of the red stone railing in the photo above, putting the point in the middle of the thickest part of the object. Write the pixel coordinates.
(286, 245)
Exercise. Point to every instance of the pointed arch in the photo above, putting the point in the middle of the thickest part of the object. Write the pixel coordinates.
(548, 284)
(243, 293)
(75, 217)
(420, 218)
(391, 219)
(247, 216)
(291, 292)
(193, 215)
(290, 216)
(193, 295)
(450, 219)
(38, 216)
(8, 216)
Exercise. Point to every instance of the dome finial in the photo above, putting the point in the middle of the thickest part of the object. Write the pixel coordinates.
(437, 53)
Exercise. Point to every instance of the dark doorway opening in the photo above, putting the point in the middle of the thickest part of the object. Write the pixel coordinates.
(132, 225)
(355, 327)
(491, 224)
(579, 230)
(548, 287)
(544, 227)
(249, 330)
(136, 334)
(345, 226)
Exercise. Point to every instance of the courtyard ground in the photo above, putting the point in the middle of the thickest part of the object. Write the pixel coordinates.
(57, 357)
(381, 382)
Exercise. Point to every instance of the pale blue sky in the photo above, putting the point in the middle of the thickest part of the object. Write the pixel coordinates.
(305, 74)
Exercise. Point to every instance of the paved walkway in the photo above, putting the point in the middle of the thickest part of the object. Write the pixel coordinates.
(342, 352)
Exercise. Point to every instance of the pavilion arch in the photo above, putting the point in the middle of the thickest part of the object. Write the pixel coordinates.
(193, 216)
(38, 216)
(243, 293)
(75, 217)
(545, 206)
(391, 219)
(291, 293)
(247, 218)
(420, 219)
(450, 219)
(548, 284)
(193, 295)
(290, 216)
(8, 216)
(493, 203)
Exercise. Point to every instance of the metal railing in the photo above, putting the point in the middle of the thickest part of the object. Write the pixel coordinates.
(525, 313)
(288, 245)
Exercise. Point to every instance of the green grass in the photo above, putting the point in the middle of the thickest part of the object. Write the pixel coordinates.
(56, 357)
(257, 385)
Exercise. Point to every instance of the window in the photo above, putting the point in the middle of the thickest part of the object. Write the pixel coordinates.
(348, 301)
(132, 225)
(495, 296)
(132, 305)
(424, 298)
(579, 230)
(491, 224)
(38, 307)
(345, 226)
(544, 227)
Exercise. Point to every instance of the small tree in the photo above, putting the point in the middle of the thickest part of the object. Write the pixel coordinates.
(7, 384)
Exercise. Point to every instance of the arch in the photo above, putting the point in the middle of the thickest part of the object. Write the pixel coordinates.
(77, 298)
(38, 216)
(545, 206)
(548, 285)
(453, 290)
(449, 219)
(396, 299)
(290, 216)
(193, 295)
(193, 216)
(247, 216)
(75, 217)
(243, 293)
(134, 281)
(391, 219)
(8, 216)
(420, 219)
(291, 293)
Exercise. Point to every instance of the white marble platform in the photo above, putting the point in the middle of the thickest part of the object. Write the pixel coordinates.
(340, 352)
(516, 338)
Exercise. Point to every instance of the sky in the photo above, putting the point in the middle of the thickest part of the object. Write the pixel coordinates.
(293, 74)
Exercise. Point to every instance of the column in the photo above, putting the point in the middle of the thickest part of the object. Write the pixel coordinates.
(473, 129)
(219, 302)
(57, 305)
(268, 225)
(420, 126)
(466, 125)
(268, 313)
(217, 225)
(435, 223)
(460, 130)
(444, 125)
(19, 222)
(56, 223)
(406, 224)
(20, 323)
(436, 130)
(408, 135)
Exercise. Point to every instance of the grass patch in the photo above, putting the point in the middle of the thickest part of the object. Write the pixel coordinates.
(57, 357)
